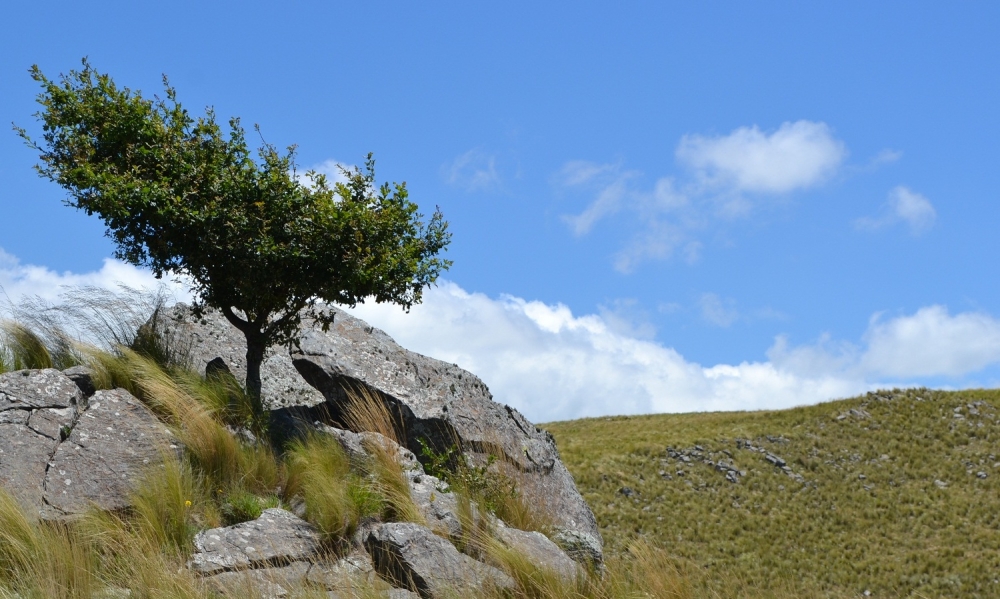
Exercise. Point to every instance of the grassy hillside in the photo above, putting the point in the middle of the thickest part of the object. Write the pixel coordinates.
(895, 493)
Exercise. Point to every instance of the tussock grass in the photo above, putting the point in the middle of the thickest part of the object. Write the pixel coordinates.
(366, 411)
(336, 500)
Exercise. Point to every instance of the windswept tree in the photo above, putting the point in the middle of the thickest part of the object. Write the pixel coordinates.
(260, 241)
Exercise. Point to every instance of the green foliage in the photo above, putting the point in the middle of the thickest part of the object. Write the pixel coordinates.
(487, 485)
(242, 506)
(258, 241)
(866, 514)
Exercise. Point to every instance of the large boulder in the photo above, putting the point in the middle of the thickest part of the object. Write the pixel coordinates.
(213, 340)
(411, 556)
(433, 401)
(61, 454)
(114, 441)
(276, 538)
(36, 407)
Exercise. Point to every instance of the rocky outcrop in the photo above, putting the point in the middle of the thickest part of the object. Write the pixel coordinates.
(213, 340)
(61, 454)
(431, 400)
(276, 538)
(115, 439)
(411, 556)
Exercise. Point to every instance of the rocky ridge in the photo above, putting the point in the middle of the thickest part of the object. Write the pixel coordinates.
(66, 447)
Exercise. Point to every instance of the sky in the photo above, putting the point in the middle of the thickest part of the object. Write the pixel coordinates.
(655, 206)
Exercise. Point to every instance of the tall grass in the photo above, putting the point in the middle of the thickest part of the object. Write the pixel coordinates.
(336, 499)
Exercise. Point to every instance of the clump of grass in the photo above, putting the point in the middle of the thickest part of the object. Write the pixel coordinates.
(240, 505)
(367, 411)
(23, 348)
(171, 504)
(336, 499)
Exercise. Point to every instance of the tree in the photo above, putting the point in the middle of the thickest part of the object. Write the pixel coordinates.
(259, 241)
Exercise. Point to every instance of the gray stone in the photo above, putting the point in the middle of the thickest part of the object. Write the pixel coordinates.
(114, 440)
(32, 389)
(444, 404)
(276, 538)
(24, 455)
(14, 416)
(411, 556)
(266, 583)
(83, 377)
(353, 570)
(358, 446)
(438, 506)
(540, 551)
(54, 423)
(213, 340)
(582, 547)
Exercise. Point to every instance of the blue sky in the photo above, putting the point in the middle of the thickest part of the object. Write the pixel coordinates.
(655, 206)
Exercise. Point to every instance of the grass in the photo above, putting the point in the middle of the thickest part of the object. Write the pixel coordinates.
(866, 514)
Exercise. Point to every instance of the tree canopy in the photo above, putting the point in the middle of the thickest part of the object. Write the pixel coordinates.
(259, 240)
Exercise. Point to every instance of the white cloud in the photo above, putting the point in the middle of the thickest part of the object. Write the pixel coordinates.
(795, 156)
(723, 171)
(474, 170)
(932, 342)
(553, 365)
(903, 206)
(18, 280)
(717, 311)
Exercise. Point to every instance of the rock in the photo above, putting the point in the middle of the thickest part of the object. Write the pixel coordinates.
(213, 340)
(83, 377)
(542, 552)
(434, 400)
(357, 446)
(24, 455)
(266, 583)
(443, 404)
(35, 405)
(582, 547)
(276, 538)
(411, 556)
(438, 506)
(114, 440)
(352, 570)
(54, 423)
(31, 389)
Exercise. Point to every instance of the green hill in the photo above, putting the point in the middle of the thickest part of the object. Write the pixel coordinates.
(894, 493)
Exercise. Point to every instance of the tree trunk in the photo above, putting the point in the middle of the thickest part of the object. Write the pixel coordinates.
(255, 357)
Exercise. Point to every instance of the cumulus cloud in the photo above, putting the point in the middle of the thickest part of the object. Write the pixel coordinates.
(551, 364)
(903, 206)
(795, 156)
(726, 179)
(554, 365)
(932, 342)
(474, 170)
(18, 281)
